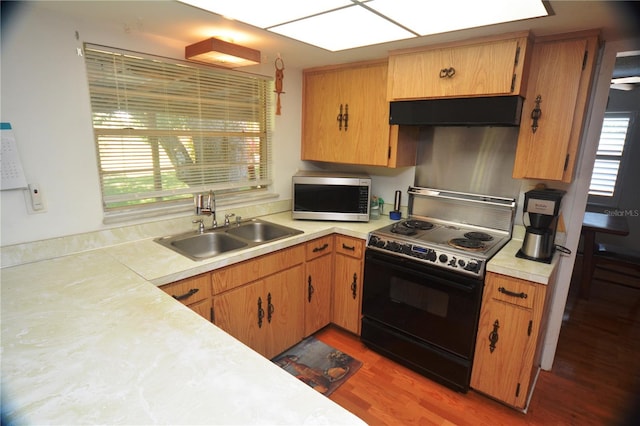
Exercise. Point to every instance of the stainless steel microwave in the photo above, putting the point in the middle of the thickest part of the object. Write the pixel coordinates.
(331, 196)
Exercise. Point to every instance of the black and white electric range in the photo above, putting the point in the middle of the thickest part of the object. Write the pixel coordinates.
(424, 277)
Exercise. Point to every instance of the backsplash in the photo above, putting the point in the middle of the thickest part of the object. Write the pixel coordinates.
(19, 254)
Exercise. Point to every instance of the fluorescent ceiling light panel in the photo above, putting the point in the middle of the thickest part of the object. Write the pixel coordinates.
(434, 17)
(267, 13)
(343, 29)
(345, 24)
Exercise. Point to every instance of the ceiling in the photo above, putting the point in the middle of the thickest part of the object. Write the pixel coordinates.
(180, 24)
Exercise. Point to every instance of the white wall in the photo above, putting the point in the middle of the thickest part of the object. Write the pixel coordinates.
(46, 100)
(575, 201)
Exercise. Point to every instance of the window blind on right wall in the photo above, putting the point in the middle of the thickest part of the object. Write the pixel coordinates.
(609, 155)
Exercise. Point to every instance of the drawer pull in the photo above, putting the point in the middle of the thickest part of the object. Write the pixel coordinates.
(187, 294)
(521, 295)
(321, 248)
(350, 248)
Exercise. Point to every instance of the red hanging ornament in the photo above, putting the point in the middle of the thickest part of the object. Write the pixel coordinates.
(279, 64)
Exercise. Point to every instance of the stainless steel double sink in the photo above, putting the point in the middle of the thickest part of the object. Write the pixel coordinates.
(214, 242)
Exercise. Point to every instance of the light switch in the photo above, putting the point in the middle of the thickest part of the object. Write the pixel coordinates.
(35, 195)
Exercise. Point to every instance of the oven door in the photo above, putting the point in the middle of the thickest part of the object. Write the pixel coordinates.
(423, 302)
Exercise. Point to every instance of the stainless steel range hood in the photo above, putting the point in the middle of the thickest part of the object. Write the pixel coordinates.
(487, 111)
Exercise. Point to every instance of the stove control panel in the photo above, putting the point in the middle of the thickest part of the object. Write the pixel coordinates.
(462, 263)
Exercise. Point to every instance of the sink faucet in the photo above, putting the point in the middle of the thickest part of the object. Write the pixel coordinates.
(208, 208)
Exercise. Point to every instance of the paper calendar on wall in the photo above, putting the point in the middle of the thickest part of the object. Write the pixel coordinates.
(10, 164)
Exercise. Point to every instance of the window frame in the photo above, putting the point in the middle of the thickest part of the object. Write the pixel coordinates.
(225, 155)
(613, 201)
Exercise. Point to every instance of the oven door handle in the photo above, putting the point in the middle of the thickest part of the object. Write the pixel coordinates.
(399, 264)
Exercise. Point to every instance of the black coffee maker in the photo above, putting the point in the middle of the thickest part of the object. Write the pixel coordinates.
(542, 208)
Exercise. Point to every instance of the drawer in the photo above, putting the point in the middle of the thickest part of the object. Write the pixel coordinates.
(248, 271)
(319, 247)
(190, 290)
(512, 290)
(349, 246)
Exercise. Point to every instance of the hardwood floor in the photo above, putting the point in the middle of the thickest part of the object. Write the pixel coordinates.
(594, 381)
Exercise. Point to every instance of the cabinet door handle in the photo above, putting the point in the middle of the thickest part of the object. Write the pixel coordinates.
(447, 72)
(536, 114)
(260, 312)
(187, 294)
(521, 295)
(310, 289)
(493, 336)
(321, 248)
(346, 117)
(350, 248)
(339, 118)
(354, 285)
(270, 308)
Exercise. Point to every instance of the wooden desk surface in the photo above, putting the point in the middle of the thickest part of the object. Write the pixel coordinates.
(607, 224)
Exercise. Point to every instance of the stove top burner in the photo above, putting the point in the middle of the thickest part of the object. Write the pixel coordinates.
(418, 224)
(467, 244)
(403, 230)
(480, 236)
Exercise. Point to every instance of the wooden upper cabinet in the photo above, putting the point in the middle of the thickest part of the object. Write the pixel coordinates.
(558, 91)
(346, 118)
(487, 68)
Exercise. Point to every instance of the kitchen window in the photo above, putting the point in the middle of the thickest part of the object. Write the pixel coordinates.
(166, 129)
(609, 165)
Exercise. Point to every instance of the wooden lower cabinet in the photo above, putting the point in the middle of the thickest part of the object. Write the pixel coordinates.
(195, 292)
(347, 284)
(318, 282)
(273, 301)
(266, 315)
(508, 341)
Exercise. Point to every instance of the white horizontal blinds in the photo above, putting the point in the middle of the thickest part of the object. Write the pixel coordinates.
(609, 155)
(165, 129)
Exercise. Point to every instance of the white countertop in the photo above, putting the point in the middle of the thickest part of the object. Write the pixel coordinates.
(87, 341)
(505, 262)
(88, 338)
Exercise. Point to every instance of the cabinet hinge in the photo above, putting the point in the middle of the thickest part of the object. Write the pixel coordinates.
(518, 390)
(566, 162)
(513, 83)
(584, 59)
(517, 55)
(530, 327)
